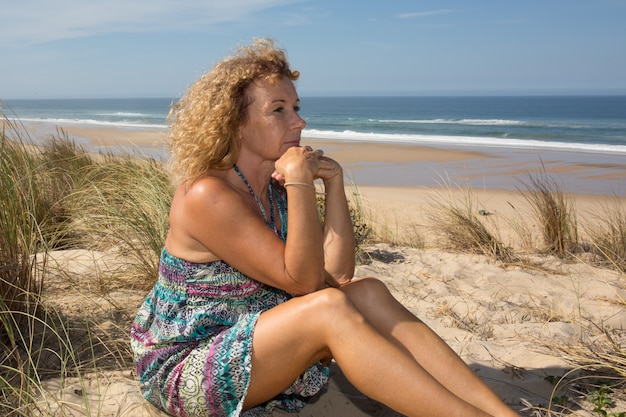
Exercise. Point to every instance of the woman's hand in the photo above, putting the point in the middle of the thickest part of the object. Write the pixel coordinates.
(299, 164)
(329, 169)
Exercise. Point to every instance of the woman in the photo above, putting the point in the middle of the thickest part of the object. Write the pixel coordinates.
(252, 303)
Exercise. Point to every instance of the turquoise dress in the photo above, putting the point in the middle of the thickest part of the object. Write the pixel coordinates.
(192, 338)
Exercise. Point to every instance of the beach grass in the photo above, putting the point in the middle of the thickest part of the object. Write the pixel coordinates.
(58, 199)
(121, 207)
(463, 226)
(555, 214)
(607, 233)
(22, 222)
(597, 379)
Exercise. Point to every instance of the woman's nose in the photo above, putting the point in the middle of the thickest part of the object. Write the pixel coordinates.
(300, 123)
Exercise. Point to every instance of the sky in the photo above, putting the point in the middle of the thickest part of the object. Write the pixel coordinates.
(157, 48)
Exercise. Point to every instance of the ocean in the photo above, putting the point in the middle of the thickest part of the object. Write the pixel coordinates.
(588, 129)
(575, 123)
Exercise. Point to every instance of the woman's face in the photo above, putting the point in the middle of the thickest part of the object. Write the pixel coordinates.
(272, 121)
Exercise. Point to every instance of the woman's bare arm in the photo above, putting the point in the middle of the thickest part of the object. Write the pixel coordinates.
(339, 245)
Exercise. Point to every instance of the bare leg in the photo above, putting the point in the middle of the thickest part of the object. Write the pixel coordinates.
(397, 324)
(325, 323)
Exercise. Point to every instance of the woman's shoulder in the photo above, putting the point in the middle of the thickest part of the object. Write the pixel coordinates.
(201, 198)
(207, 188)
(196, 214)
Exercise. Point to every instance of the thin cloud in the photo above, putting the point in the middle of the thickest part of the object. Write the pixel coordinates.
(40, 21)
(426, 13)
(296, 19)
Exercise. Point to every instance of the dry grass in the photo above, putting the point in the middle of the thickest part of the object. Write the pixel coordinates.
(122, 206)
(22, 226)
(59, 197)
(21, 185)
(554, 213)
(466, 228)
(607, 234)
(596, 381)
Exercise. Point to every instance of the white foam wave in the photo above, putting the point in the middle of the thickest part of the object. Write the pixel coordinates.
(124, 114)
(472, 122)
(348, 135)
(92, 122)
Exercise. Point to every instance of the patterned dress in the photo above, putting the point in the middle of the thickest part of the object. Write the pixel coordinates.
(192, 339)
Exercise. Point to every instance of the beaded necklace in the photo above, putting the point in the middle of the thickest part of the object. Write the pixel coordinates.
(281, 202)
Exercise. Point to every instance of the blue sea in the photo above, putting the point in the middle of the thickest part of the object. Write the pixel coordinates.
(583, 123)
(591, 129)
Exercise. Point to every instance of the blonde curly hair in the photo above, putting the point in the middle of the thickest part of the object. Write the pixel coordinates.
(205, 123)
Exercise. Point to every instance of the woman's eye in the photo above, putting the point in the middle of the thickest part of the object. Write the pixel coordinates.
(278, 110)
(297, 108)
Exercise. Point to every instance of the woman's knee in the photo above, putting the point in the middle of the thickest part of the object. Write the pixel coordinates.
(332, 306)
(367, 288)
(330, 300)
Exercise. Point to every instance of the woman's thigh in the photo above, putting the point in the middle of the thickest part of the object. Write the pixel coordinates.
(288, 339)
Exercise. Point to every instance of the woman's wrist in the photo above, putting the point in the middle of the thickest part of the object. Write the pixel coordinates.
(298, 177)
(336, 181)
(298, 184)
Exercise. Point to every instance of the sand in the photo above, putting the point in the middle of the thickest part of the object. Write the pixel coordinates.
(405, 165)
(513, 325)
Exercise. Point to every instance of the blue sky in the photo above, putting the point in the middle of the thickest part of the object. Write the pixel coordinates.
(156, 48)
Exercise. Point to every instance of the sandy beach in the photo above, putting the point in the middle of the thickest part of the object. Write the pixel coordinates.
(392, 164)
(516, 327)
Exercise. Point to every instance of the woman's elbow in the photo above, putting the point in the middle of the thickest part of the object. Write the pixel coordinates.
(344, 272)
(312, 283)
(343, 278)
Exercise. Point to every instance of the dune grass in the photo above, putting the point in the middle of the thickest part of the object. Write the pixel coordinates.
(597, 380)
(466, 228)
(23, 220)
(23, 216)
(555, 214)
(122, 206)
(59, 197)
(607, 233)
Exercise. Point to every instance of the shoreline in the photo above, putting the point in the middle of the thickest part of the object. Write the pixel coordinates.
(375, 164)
(392, 164)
